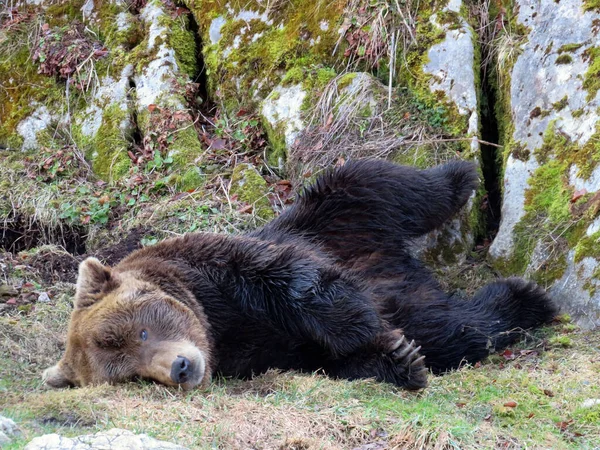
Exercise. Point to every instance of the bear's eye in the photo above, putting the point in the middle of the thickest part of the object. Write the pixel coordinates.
(143, 335)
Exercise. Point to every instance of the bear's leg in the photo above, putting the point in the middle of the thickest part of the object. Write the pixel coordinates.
(371, 206)
(457, 331)
(391, 358)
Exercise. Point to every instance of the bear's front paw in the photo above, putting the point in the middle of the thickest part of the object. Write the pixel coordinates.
(406, 355)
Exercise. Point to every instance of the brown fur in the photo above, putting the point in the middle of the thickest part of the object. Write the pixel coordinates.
(111, 309)
(328, 285)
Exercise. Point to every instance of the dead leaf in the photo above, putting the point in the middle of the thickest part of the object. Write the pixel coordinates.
(218, 144)
(508, 355)
(578, 194)
(564, 424)
(511, 404)
(152, 107)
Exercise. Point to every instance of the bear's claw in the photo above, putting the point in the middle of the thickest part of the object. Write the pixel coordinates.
(405, 354)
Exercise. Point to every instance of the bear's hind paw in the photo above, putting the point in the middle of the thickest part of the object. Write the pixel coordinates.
(405, 355)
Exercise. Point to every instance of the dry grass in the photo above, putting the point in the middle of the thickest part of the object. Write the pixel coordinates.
(350, 121)
(464, 409)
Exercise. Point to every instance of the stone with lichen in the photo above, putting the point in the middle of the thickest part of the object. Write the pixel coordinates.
(115, 439)
(549, 228)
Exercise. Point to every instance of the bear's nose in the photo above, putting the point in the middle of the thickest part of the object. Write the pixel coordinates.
(181, 369)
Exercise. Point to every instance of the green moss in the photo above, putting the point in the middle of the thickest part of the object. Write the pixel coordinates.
(561, 104)
(278, 149)
(548, 192)
(181, 39)
(413, 75)
(577, 113)
(551, 217)
(62, 13)
(564, 59)
(186, 147)
(251, 188)
(324, 76)
(591, 79)
(250, 57)
(558, 144)
(591, 5)
(293, 76)
(191, 180)
(561, 341)
(588, 246)
(569, 48)
(23, 88)
(108, 148)
(346, 79)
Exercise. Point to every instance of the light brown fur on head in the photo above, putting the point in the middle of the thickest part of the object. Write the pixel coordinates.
(124, 326)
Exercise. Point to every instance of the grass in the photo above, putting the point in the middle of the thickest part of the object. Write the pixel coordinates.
(532, 396)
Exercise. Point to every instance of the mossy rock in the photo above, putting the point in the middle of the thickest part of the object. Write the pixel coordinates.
(251, 188)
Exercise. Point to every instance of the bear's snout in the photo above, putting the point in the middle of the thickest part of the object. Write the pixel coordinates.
(181, 370)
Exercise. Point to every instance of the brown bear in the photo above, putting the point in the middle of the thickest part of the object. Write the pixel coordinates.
(328, 285)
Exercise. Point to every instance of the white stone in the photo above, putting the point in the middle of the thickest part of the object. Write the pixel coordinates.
(593, 228)
(114, 439)
(247, 16)
(154, 83)
(592, 184)
(284, 106)
(536, 79)
(123, 21)
(454, 5)
(214, 31)
(87, 9)
(4, 439)
(516, 182)
(8, 429)
(29, 127)
(572, 291)
(590, 403)
(151, 15)
(451, 65)
(109, 92)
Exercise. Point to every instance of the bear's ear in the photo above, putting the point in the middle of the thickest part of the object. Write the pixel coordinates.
(55, 377)
(93, 280)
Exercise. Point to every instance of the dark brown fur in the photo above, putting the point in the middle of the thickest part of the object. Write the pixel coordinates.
(327, 285)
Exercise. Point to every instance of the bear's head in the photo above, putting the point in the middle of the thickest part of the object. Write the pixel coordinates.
(125, 326)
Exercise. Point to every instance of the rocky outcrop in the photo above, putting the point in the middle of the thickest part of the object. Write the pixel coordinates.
(338, 81)
(549, 229)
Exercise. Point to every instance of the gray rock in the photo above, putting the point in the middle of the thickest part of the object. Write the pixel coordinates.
(108, 93)
(451, 64)
(545, 92)
(538, 82)
(516, 182)
(8, 429)
(29, 127)
(572, 291)
(282, 109)
(115, 439)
